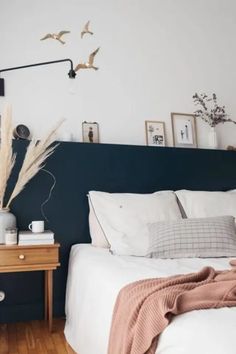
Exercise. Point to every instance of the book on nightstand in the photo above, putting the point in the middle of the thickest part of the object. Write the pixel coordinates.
(35, 242)
(33, 238)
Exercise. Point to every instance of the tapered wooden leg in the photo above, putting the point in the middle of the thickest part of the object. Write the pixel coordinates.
(46, 295)
(50, 298)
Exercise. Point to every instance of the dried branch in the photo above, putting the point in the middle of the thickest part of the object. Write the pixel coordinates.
(211, 115)
(7, 158)
(35, 157)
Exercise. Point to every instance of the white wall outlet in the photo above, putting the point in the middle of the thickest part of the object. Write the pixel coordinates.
(2, 296)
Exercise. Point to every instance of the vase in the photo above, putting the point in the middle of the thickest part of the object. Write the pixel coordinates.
(7, 220)
(212, 138)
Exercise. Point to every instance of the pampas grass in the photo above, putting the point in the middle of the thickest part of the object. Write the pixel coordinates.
(35, 157)
(36, 154)
(7, 157)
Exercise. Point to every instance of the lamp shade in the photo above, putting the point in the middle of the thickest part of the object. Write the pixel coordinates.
(2, 91)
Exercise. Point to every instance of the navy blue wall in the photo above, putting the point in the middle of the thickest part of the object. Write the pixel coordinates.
(79, 168)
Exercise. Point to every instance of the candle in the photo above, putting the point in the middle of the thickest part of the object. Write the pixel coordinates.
(11, 236)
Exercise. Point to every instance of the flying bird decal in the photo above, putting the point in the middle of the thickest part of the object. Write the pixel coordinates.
(89, 63)
(56, 36)
(86, 30)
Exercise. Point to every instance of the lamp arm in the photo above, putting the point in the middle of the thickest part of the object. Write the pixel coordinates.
(71, 73)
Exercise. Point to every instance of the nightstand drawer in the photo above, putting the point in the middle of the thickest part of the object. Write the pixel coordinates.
(26, 255)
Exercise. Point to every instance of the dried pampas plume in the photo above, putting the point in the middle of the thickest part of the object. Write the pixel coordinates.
(7, 157)
(35, 157)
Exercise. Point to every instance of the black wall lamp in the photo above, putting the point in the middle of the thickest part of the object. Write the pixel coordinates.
(71, 73)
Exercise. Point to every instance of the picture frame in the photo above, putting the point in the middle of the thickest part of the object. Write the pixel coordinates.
(184, 130)
(155, 133)
(90, 132)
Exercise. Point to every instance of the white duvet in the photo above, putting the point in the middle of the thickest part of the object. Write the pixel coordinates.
(94, 280)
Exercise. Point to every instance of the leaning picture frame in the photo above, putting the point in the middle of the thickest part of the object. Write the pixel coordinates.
(184, 130)
(90, 132)
(155, 133)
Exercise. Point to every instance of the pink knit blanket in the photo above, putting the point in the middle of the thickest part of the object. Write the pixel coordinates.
(144, 308)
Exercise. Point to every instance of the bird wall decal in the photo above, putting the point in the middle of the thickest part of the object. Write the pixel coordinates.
(56, 36)
(86, 30)
(89, 63)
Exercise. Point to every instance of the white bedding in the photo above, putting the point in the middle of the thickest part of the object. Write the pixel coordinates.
(94, 280)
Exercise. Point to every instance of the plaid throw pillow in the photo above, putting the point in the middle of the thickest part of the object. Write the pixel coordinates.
(198, 237)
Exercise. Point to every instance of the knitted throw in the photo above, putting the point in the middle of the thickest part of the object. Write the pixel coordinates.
(144, 308)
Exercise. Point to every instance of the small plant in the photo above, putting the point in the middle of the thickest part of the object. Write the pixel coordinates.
(209, 110)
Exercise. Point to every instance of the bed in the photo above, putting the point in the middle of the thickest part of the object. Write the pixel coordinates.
(95, 276)
(94, 279)
(143, 236)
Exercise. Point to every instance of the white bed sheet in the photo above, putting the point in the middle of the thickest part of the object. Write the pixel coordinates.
(94, 280)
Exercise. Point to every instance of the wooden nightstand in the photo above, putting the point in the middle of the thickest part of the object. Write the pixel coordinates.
(31, 258)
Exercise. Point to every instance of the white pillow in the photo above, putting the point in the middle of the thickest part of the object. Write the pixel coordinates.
(124, 217)
(96, 232)
(198, 204)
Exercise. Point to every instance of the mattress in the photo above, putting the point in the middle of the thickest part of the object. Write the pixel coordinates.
(95, 278)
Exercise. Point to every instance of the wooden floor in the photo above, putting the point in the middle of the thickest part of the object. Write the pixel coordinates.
(33, 338)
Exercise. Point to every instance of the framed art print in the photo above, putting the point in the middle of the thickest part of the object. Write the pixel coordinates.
(90, 132)
(184, 130)
(155, 133)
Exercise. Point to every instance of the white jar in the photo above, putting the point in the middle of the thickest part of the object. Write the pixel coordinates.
(11, 236)
(7, 220)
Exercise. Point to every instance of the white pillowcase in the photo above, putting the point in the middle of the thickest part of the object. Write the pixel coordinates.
(197, 204)
(124, 217)
(96, 232)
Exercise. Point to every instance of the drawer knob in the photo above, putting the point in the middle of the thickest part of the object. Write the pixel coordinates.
(21, 256)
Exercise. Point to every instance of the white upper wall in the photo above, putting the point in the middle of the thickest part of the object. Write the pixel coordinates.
(155, 54)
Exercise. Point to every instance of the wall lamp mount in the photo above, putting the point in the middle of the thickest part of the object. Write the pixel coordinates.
(71, 73)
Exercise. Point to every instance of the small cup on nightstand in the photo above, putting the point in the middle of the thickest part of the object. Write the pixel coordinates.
(37, 226)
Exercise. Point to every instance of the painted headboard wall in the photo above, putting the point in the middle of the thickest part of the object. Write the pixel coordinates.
(79, 168)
